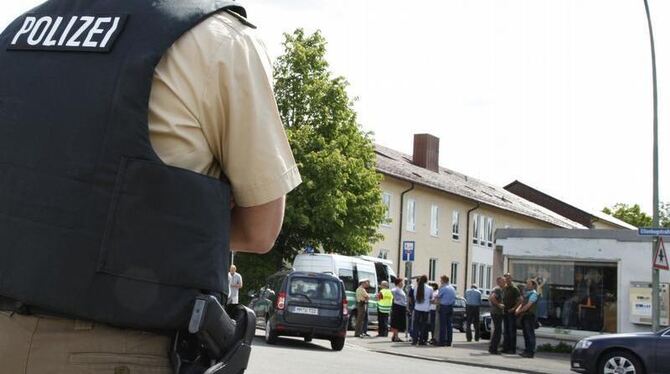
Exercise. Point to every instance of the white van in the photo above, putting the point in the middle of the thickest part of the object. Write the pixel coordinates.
(349, 270)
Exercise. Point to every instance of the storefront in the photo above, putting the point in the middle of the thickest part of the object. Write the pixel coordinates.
(589, 280)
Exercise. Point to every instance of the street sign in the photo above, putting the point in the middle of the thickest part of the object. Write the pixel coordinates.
(661, 258)
(654, 231)
(408, 251)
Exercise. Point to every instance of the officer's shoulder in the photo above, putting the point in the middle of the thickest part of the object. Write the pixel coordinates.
(229, 21)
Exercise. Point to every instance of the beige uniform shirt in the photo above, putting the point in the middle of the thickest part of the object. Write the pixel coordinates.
(212, 110)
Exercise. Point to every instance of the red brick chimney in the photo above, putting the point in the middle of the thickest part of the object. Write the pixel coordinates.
(427, 152)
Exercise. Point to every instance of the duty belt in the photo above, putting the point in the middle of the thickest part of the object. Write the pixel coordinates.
(216, 341)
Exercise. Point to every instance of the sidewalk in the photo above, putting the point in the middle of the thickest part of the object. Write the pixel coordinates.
(468, 353)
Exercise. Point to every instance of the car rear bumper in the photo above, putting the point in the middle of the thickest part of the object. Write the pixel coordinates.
(285, 328)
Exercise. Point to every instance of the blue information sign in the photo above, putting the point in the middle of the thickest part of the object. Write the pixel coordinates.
(654, 231)
(309, 249)
(408, 251)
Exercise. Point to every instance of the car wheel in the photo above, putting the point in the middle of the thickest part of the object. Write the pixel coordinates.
(270, 335)
(352, 320)
(337, 343)
(308, 339)
(620, 362)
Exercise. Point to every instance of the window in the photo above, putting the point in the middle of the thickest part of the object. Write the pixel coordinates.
(386, 199)
(489, 232)
(432, 269)
(383, 254)
(411, 215)
(481, 275)
(475, 228)
(482, 232)
(347, 277)
(488, 277)
(474, 274)
(454, 224)
(434, 220)
(454, 273)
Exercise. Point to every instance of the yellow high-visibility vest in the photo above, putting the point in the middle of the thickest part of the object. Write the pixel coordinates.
(386, 301)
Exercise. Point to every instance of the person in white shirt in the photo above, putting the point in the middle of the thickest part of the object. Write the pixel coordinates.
(423, 299)
(234, 284)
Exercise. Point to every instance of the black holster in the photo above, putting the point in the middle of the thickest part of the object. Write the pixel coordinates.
(217, 341)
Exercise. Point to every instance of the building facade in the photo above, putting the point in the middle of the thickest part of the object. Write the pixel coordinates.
(449, 219)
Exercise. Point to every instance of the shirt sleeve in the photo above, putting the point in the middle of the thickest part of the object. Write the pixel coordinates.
(241, 121)
(532, 298)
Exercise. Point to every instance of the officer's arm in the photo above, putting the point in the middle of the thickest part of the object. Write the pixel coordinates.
(255, 229)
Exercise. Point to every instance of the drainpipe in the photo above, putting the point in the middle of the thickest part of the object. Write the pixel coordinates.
(467, 245)
(402, 209)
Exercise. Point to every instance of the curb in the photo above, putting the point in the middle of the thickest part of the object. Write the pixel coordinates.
(458, 362)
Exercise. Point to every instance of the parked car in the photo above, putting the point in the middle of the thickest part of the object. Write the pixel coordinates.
(304, 304)
(458, 318)
(349, 270)
(635, 353)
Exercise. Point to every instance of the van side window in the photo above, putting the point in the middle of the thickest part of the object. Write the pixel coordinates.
(347, 277)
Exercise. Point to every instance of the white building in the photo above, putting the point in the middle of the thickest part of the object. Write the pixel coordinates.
(591, 280)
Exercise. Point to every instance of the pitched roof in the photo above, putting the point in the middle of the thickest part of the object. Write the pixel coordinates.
(613, 220)
(399, 165)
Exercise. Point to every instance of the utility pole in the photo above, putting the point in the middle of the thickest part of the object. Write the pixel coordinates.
(655, 278)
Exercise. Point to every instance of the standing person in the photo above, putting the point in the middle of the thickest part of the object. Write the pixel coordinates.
(235, 284)
(399, 310)
(497, 310)
(384, 305)
(434, 325)
(528, 313)
(511, 299)
(362, 298)
(473, 300)
(446, 298)
(169, 123)
(423, 298)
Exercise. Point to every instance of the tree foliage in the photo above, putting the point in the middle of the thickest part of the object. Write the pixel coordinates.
(338, 206)
(633, 214)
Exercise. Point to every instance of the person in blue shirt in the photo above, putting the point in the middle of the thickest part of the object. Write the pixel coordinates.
(528, 313)
(473, 299)
(446, 296)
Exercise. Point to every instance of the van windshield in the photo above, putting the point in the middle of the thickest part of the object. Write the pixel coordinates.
(315, 288)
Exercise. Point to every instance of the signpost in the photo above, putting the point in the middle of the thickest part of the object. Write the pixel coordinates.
(408, 251)
(661, 257)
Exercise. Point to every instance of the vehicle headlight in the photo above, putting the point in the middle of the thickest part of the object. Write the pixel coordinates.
(583, 344)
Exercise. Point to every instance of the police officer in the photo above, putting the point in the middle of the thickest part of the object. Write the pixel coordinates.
(139, 143)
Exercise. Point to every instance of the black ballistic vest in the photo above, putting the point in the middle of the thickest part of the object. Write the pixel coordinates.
(92, 224)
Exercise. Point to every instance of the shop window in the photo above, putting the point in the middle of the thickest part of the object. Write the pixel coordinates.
(573, 295)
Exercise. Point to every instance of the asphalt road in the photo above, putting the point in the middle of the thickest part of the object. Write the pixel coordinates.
(294, 356)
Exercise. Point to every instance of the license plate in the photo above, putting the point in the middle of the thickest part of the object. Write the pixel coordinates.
(303, 310)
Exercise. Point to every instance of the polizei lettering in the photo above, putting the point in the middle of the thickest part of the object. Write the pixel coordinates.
(82, 33)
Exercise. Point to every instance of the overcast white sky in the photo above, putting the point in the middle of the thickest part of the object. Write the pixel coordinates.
(555, 93)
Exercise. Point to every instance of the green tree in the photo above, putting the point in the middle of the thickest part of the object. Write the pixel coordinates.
(338, 206)
(633, 215)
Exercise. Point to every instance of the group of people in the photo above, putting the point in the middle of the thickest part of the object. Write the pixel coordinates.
(508, 308)
(430, 309)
